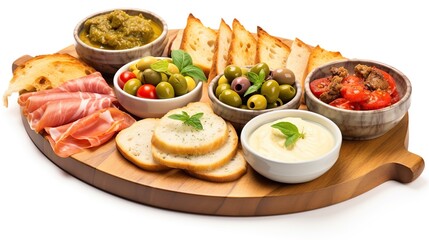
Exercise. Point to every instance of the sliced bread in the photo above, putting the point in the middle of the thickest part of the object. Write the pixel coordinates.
(200, 162)
(173, 136)
(199, 41)
(134, 143)
(220, 56)
(271, 50)
(242, 50)
(320, 56)
(231, 171)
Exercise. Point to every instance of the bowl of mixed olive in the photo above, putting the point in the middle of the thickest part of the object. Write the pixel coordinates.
(152, 86)
(241, 93)
(109, 39)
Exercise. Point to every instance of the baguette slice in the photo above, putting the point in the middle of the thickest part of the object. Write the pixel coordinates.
(231, 171)
(173, 136)
(200, 162)
(223, 41)
(199, 41)
(320, 56)
(298, 59)
(242, 50)
(45, 72)
(134, 143)
(271, 50)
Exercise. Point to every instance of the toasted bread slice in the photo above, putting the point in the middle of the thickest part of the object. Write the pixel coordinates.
(298, 59)
(45, 72)
(200, 162)
(320, 56)
(242, 50)
(199, 41)
(231, 171)
(271, 50)
(223, 41)
(173, 136)
(134, 143)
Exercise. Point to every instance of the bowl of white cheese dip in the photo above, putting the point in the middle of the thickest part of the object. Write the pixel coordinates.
(291, 146)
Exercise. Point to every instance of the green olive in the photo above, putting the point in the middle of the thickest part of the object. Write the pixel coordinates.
(132, 85)
(259, 67)
(152, 77)
(270, 89)
(283, 76)
(230, 97)
(257, 102)
(222, 79)
(191, 83)
(164, 90)
(164, 77)
(232, 72)
(178, 81)
(139, 74)
(275, 104)
(145, 62)
(286, 93)
(172, 69)
(221, 87)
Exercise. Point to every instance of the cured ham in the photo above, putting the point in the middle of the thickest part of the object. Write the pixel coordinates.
(76, 115)
(94, 83)
(57, 113)
(34, 102)
(92, 130)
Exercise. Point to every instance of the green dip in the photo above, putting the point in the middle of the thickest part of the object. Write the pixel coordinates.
(117, 30)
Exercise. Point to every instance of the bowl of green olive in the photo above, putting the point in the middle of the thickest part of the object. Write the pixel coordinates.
(152, 86)
(241, 93)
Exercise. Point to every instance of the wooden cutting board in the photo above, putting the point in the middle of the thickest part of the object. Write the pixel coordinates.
(362, 165)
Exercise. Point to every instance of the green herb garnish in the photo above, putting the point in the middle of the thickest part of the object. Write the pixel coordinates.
(183, 61)
(256, 80)
(290, 131)
(193, 121)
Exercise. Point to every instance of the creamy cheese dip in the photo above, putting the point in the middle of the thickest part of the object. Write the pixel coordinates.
(270, 142)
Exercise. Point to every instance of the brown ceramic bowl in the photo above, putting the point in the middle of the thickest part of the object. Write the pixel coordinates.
(238, 116)
(361, 124)
(109, 61)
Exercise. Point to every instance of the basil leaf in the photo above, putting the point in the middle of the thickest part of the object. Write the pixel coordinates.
(290, 131)
(194, 72)
(160, 66)
(193, 121)
(181, 59)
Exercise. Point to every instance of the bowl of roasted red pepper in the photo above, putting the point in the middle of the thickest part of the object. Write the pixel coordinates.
(364, 98)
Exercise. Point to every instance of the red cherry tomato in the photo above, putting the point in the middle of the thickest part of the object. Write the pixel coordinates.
(377, 99)
(124, 77)
(320, 86)
(345, 104)
(355, 92)
(352, 79)
(147, 91)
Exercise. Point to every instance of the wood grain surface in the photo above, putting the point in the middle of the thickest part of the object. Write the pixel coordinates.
(362, 165)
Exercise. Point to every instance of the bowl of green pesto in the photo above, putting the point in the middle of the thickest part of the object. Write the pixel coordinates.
(109, 39)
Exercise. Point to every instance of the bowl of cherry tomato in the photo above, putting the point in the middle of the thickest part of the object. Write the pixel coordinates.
(152, 86)
(241, 93)
(364, 98)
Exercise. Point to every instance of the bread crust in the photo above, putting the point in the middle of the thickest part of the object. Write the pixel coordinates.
(220, 56)
(200, 162)
(134, 143)
(45, 72)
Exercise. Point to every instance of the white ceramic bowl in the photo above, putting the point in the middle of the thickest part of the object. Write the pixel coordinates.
(284, 171)
(361, 124)
(109, 61)
(154, 108)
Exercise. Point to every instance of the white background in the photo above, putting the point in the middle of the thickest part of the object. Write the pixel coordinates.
(40, 201)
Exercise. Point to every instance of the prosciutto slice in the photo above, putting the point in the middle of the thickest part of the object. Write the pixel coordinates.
(57, 113)
(34, 102)
(94, 83)
(92, 130)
